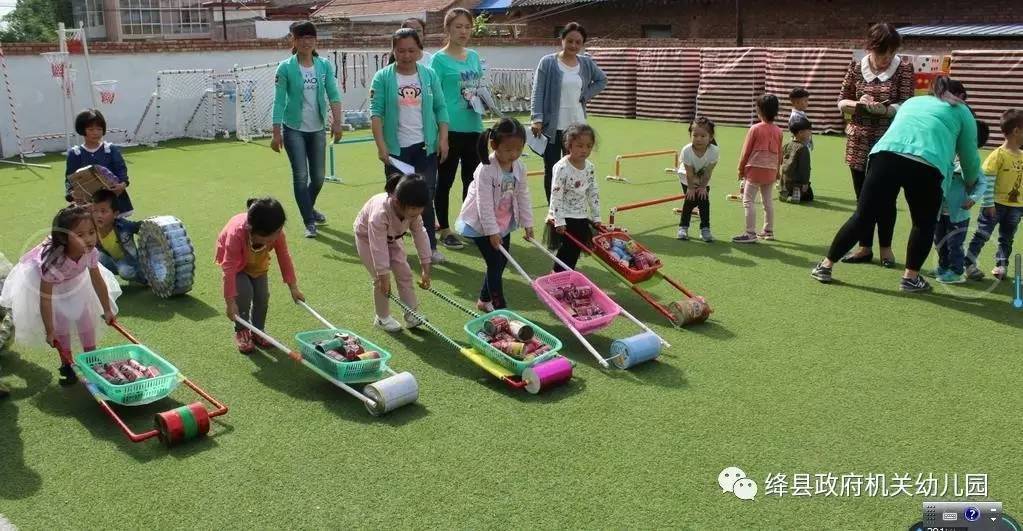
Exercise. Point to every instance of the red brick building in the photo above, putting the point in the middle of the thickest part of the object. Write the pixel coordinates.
(763, 23)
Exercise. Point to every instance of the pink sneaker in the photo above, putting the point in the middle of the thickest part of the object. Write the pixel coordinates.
(243, 340)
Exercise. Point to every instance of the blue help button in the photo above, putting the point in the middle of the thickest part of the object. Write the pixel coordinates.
(971, 514)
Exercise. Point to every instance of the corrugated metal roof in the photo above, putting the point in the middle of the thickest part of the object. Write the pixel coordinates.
(493, 6)
(963, 30)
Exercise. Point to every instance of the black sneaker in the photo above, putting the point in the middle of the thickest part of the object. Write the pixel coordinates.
(914, 285)
(67, 376)
(821, 273)
(452, 242)
(319, 218)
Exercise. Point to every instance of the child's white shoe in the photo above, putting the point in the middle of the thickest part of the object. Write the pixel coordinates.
(683, 233)
(388, 324)
(484, 306)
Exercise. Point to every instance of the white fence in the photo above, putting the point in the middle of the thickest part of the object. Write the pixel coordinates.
(38, 100)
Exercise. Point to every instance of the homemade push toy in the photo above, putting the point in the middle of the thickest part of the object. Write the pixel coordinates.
(166, 255)
(133, 375)
(507, 346)
(344, 358)
(585, 309)
(618, 162)
(165, 250)
(614, 249)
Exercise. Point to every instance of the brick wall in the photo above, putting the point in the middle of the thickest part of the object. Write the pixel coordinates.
(773, 21)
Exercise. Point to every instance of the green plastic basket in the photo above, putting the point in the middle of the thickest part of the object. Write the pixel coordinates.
(135, 393)
(476, 325)
(345, 371)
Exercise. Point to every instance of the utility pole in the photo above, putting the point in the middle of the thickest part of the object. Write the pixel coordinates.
(738, 22)
(223, 18)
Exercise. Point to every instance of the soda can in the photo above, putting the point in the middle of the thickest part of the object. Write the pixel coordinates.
(520, 330)
(369, 355)
(152, 372)
(136, 365)
(583, 292)
(495, 325)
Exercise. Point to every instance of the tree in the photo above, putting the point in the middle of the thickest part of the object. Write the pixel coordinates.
(35, 20)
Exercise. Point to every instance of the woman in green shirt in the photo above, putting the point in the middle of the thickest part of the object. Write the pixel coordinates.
(409, 119)
(915, 154)
(461, 73)
(305, 90)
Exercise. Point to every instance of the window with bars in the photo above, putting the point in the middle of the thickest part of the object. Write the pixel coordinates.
(163, 17)
(89, 12)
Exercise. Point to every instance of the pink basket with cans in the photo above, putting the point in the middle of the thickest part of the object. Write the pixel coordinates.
(576, 301)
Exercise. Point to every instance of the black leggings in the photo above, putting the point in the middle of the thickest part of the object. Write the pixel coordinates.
(888, 173)
(461, 148)
(554, 152)
(690, 204)
(885, 220)
(569, 252)
(493, 287)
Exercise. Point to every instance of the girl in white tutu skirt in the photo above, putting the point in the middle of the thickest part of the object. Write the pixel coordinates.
(60, 284)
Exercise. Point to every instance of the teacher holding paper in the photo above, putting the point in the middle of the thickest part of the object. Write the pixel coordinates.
(410, 119)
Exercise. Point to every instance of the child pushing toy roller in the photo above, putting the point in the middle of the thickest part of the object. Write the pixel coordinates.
(133, 375)
(507, 346)
(585, 309)
(636, 266)
(344, 358)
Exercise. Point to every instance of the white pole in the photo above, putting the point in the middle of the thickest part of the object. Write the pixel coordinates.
(67, 99)
(88, 65)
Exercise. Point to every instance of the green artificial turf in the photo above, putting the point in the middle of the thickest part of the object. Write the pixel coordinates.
(789, 376)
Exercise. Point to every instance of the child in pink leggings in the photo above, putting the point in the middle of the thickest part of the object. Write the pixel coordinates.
(380, 229)
(759, 165)
(60, 284)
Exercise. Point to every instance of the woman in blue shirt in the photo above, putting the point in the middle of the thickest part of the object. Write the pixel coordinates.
(305, 83)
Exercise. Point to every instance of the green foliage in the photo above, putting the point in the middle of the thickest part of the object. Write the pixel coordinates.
(35, 20)
(479, 25)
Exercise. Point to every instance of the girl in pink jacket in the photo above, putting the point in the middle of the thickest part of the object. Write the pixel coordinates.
(497, 204)
(380, 229)
(243, 253)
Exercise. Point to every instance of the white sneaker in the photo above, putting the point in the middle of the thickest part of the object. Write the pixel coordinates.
(437, 257)
(999, 272)
(411, 320)
(683, 233)
(484, 306)
(388, 324)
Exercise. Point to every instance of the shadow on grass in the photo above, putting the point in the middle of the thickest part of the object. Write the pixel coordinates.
(140, 302)
(834, 204)
(18, 480)
(277, 371)
(24, 171)
(444, 357)
(76, 402)
(342, 243)
(998, 313)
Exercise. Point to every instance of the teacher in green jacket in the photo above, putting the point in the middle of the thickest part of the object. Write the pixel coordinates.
(916, 154)
(305, 89)
(410, 120)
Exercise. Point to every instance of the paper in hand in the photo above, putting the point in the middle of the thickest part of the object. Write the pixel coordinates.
(537, 144)
(403, 167)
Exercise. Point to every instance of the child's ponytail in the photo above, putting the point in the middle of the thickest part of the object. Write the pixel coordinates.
(483, 146)
(410, 190)
(265, 215)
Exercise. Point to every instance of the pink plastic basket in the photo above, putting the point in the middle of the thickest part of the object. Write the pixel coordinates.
(548, 282)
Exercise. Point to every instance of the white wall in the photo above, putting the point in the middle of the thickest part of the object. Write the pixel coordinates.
(38, 102)
(272, 29)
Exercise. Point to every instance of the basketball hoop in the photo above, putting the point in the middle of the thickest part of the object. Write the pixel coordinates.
(69, 81)
(58, 61)
(74, 44)
(107, 90)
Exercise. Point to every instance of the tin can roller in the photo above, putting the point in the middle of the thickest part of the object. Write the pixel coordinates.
(632, 351)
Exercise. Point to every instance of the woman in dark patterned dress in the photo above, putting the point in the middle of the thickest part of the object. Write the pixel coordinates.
(872, 91)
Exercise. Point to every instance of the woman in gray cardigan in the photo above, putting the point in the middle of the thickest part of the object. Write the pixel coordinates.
(564, 83)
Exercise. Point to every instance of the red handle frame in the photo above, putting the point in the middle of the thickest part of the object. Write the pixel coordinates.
(221, 409)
